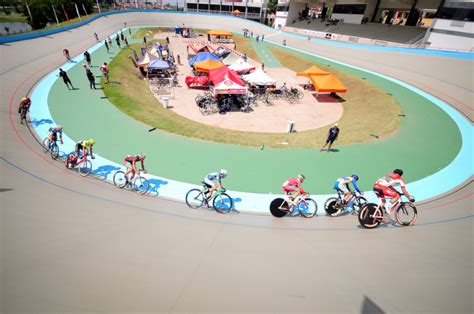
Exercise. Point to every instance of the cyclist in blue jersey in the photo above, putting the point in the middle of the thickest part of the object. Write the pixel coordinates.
(342, 185)
(213, 181)
(53, 134)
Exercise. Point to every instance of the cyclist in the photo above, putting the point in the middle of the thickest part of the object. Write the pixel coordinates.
(25, 104)
(213, 181)
(132, 160)
(53, 134)
(84, 145)
(384, 187)
(342, 185)
(292, 188)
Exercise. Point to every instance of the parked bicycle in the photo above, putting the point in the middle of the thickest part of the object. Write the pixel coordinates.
(221, 201)
(138, 184)
(306, 206)
(335, 206)
(372, 215)
(52, 147)
(83, 165)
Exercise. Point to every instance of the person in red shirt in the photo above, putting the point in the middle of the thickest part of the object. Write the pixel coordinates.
(132, 161)
(384, 187)
(25, 104)
(292, 188)
(105, 71)
(66, 54)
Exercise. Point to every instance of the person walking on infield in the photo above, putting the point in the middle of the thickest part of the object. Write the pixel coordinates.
(105, 71)
(96, 36)
(66, 54)
(90, 77)
(87, 56)
(332, 136)
(106, 46)
(66, 79)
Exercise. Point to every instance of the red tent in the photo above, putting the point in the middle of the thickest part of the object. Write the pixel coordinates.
(223, 73)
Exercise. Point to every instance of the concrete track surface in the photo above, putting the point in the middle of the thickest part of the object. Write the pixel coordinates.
(70, 244)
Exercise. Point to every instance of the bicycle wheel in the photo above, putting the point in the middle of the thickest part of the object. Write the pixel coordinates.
(368, 216)
(308, 208)
(141, 185)
(46, 145)
(276, 207)
(333, 207)
(84, 168)
(195, 198)
(222, 203)
(406, 214)
(54, 151)
(358, 203)
(300, 94)
(120, 180)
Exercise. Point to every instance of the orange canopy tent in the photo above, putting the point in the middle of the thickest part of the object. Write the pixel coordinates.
(221, 33)
(313, 70)
(207, 65)
(328, 84)
(236, 12)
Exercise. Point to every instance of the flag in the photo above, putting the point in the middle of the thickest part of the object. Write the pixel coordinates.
(135, 55)
(29, 12)
(64, 11)
(143, 51)
(55, 16)
(77, 10)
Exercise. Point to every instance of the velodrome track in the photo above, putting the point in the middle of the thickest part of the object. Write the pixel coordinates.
(71, 244)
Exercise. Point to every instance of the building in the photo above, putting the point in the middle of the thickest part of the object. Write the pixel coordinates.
(250, 9)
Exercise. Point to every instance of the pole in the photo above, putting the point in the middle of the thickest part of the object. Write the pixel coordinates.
(64, 11)
(84, 8)
(55, 16)
(29, 12)
(77, 10)
(98, 5)
(136, 4)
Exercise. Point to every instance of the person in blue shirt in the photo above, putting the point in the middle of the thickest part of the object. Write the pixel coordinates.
(342, 185)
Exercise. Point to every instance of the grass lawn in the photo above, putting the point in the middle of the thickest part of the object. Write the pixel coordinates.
(364, 105)
(150, 31)
(243, 45)
(13, 17)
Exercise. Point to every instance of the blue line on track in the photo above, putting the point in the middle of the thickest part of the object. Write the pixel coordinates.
(28, 173)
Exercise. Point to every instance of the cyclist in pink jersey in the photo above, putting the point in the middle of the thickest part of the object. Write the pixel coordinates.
(292, 188)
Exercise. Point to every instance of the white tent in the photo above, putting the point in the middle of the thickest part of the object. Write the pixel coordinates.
(241, 66)
(258, 77)
(228, 86)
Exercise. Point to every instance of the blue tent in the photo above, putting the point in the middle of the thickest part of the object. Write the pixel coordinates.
(158, 65)
(203, 56)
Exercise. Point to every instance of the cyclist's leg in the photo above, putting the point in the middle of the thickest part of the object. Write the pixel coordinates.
(211, 186)
(394, 197)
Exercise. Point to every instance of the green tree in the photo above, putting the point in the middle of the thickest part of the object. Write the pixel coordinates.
(272, 6)
(42, 11)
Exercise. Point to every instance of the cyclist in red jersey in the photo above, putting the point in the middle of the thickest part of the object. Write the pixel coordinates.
(292, 188)
(384, 187)
(25, 104)
(132, 160)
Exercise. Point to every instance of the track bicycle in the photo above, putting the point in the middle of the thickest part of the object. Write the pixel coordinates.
(306, 206)
(139, 183)
(372, 215)
(52, 147)
(335, 206)
(84, 165)
(221, 201)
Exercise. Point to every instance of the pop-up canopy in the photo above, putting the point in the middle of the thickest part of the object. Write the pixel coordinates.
(147, 57)
(313, 70)
(207, 65)
(221, 33)
(241, 66)
(328, 84)
(202, 56)
(158, 65)
(219, 75)
(258, 77)
(231, 58)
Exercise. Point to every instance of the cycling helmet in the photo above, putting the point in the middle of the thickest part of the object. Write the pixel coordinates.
(26, 99)
(59, 127)
(92, 141)
(398, 171)
(142, 155)
(356, 177)
(300, 177)
(223, 172)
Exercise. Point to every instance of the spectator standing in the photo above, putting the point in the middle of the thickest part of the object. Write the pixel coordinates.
(333, 133)
(179, 59)
(257, 38)
(263, 37)
(144, 40)
(167, 40)
(130, 31)
(284, 42)
(90, 77)
(251, 34)
(96, 36)
(106, 46)
(122, 37)
(126, 41)
(117, 39)
(105, 71)
(87, 56)
(244, 56)
(263, 66)
(66, 54)
(66, 79)
(110, 41)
